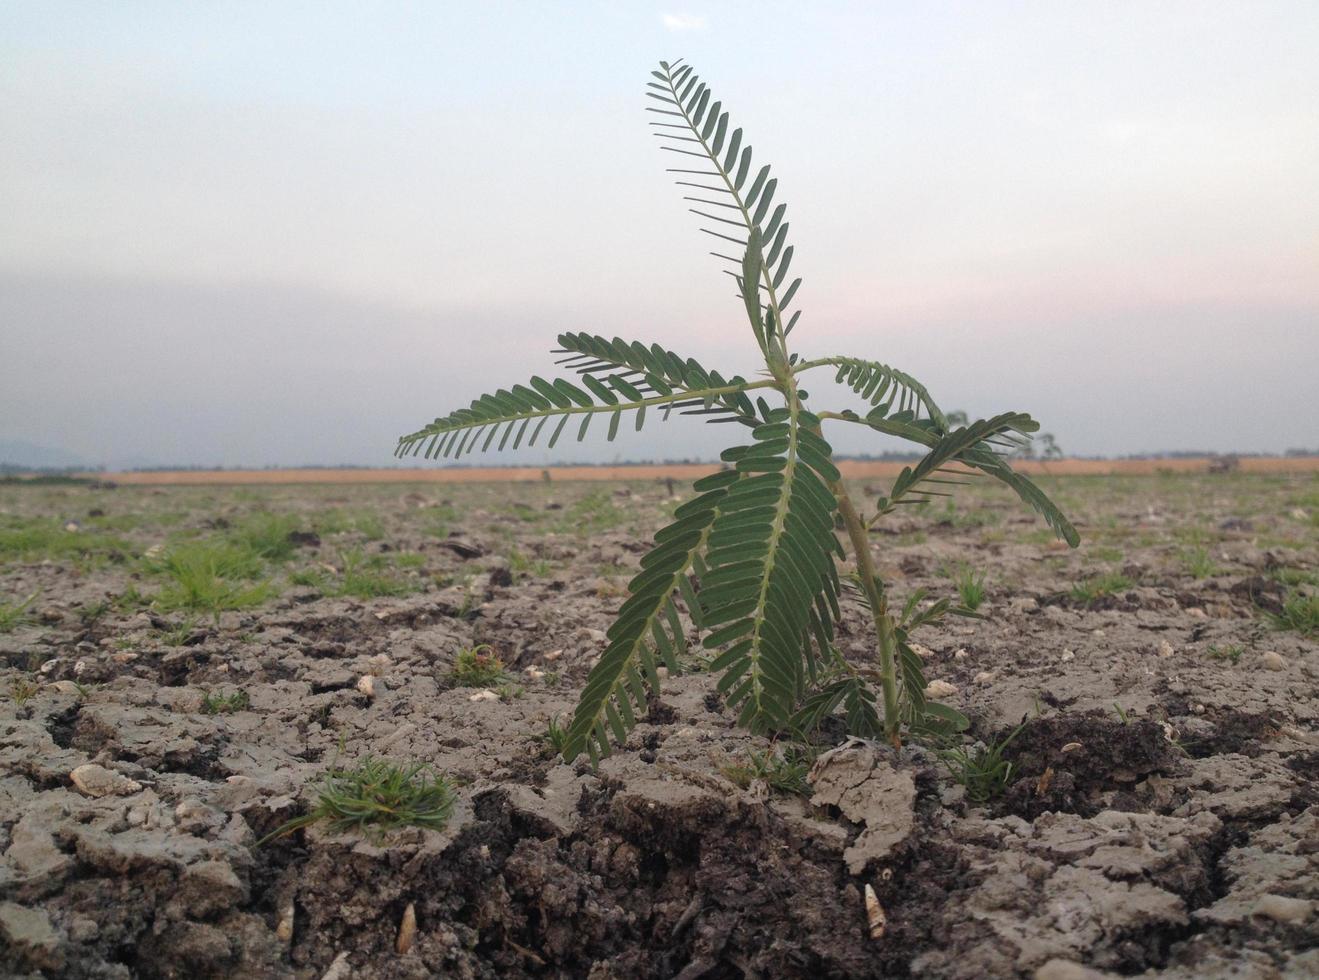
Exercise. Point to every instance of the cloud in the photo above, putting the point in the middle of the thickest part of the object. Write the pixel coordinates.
(683, 22)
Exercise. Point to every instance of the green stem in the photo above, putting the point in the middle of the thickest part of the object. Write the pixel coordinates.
(865, 567)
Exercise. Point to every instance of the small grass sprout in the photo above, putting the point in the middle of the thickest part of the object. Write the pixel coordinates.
(210, 577)
(1299, 613)
(970, 586)
(783, 769)
(15, 614)
(224, 704)
(981, 768)
(1098, 586)
(375, 797)
(477, 667)
(1232, 653)
(555, 735)
(22, 690)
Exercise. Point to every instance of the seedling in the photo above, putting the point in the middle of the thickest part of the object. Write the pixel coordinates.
(224, 704)
(759, 535)
(1092, 589)
(555, 735)
(970, 586)
(375, 797)
(1199, 563)
(782, 769)
(22, 690)
(477, 667)
(981, 769)
(205, 576)
(1232, 652)
(1299, 613)
(15, 614)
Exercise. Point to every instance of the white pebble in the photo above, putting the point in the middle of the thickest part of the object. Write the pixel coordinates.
(1272, 660)
(484, 696)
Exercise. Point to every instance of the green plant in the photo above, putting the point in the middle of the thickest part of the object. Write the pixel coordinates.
(782, 768)
(375, 797)
(1097, 586)
(477, 667)
(970, 586)
(15, 614)
(555, 735)
(1299, 613)
(23, 689)
(1199, 563)
(223, 704)
(759, 534)
(268, 536)
(981, 768)
(1233, 652)
(208, 576)
(364, 577)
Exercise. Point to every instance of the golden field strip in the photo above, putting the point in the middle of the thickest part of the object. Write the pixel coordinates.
(851, 469)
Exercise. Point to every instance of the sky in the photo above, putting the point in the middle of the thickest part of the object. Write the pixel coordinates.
(285, 233)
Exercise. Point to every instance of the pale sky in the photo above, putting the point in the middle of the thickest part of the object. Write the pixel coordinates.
(283, 233)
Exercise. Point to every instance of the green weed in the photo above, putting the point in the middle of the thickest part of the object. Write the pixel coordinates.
(782, 769)
(1096, 587)
(22, 690)
(223, 704)
(1299, 613)
(375, 797)
(970, 586)
(1232, 652)
(210, 577)
(1199, 563)
(477, 667)
(981, 768)
(15, 614)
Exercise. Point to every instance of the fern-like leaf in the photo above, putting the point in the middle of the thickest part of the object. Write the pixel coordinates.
(651, 370)
(717, 179)
(647, 630)
(523, 411)
(982, 457)
(890, 392)
(770, 581)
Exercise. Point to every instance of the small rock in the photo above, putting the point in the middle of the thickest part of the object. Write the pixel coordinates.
(984, 677)
(97, 781)
(1165, 649)
(960, 654)
(1068, 656)
(367, 685)
(939, 689)
(1272, 660)
(1280, 908)
(483, 696)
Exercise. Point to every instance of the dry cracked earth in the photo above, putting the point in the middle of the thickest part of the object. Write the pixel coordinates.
(1159, 817)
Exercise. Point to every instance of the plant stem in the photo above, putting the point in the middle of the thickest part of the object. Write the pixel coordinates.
(865, 567)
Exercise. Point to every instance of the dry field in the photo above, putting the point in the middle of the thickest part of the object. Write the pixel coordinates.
(852, 469)
(1137, 793)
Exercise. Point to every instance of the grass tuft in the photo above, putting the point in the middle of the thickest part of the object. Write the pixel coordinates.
(15, 614)
(1299, 613)
(783, 770)
(981, 768)
(477, 667)
(224, 704)
(375, 797)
